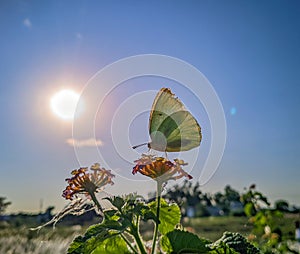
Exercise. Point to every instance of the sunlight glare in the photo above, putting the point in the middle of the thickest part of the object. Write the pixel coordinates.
(64, 103)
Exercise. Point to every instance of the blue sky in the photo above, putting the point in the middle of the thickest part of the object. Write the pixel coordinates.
(248, 50)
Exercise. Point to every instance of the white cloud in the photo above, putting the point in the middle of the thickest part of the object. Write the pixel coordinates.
(27, 23)
(84, 142)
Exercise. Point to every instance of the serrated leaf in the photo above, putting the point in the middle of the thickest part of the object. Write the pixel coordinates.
(111, 214)
(222, 248)
(138, 208)
(178, 241)
(93, 231)
(147, 214)
(112, 245)
(98, 240)
(116, 201)
(87, 243)
(97, 235)
(169, 216)
(91, 244)
(76, 246)
(235, 242)
(115, 225)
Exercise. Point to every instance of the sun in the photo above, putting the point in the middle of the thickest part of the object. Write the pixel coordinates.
(64, 103)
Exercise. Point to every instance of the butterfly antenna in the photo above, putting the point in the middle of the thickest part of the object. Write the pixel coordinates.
(134, 147)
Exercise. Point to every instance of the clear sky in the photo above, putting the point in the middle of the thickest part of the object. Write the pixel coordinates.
(248, 50)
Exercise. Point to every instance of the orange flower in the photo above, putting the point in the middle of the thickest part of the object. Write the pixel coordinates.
(159, 168)
(86, 183)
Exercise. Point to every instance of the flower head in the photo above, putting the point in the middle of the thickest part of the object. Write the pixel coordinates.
(83, 182)
(159, 168)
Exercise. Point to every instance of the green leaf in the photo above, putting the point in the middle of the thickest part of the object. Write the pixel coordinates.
(87, 243)
(76, 246)
(236, 242)
(221, 248)
(94, 230)
(147, 214)
(98, 237)
(112, 245)
(249, 209)
(169, 216)
(111, 214)
(116, 201)
(115, 225)
(178, 241)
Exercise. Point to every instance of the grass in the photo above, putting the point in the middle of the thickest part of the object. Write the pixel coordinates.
(212, 228)
(19, 240)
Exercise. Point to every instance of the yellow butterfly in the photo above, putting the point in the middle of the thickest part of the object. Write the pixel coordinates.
(171, 127)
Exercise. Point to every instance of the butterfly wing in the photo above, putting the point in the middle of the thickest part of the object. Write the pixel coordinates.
(172, 128)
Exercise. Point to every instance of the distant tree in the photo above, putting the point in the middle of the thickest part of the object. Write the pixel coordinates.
(231, 194)
(47, 216)
(219, 199)
(253, 201)
(189, 195)
(282, 205)
(223, 201)
(3, 204)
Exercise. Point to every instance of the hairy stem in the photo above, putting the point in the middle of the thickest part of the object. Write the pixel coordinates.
(129, 244)
(96, 202)
(158, 199)
(138, 240)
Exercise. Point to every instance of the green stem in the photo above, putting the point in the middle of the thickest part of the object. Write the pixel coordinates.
(95, 200)
(129, 244)
(158, 199)
(137, 222)
(138, 240)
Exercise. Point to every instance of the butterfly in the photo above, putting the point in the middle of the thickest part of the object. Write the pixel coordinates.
(171, 127)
